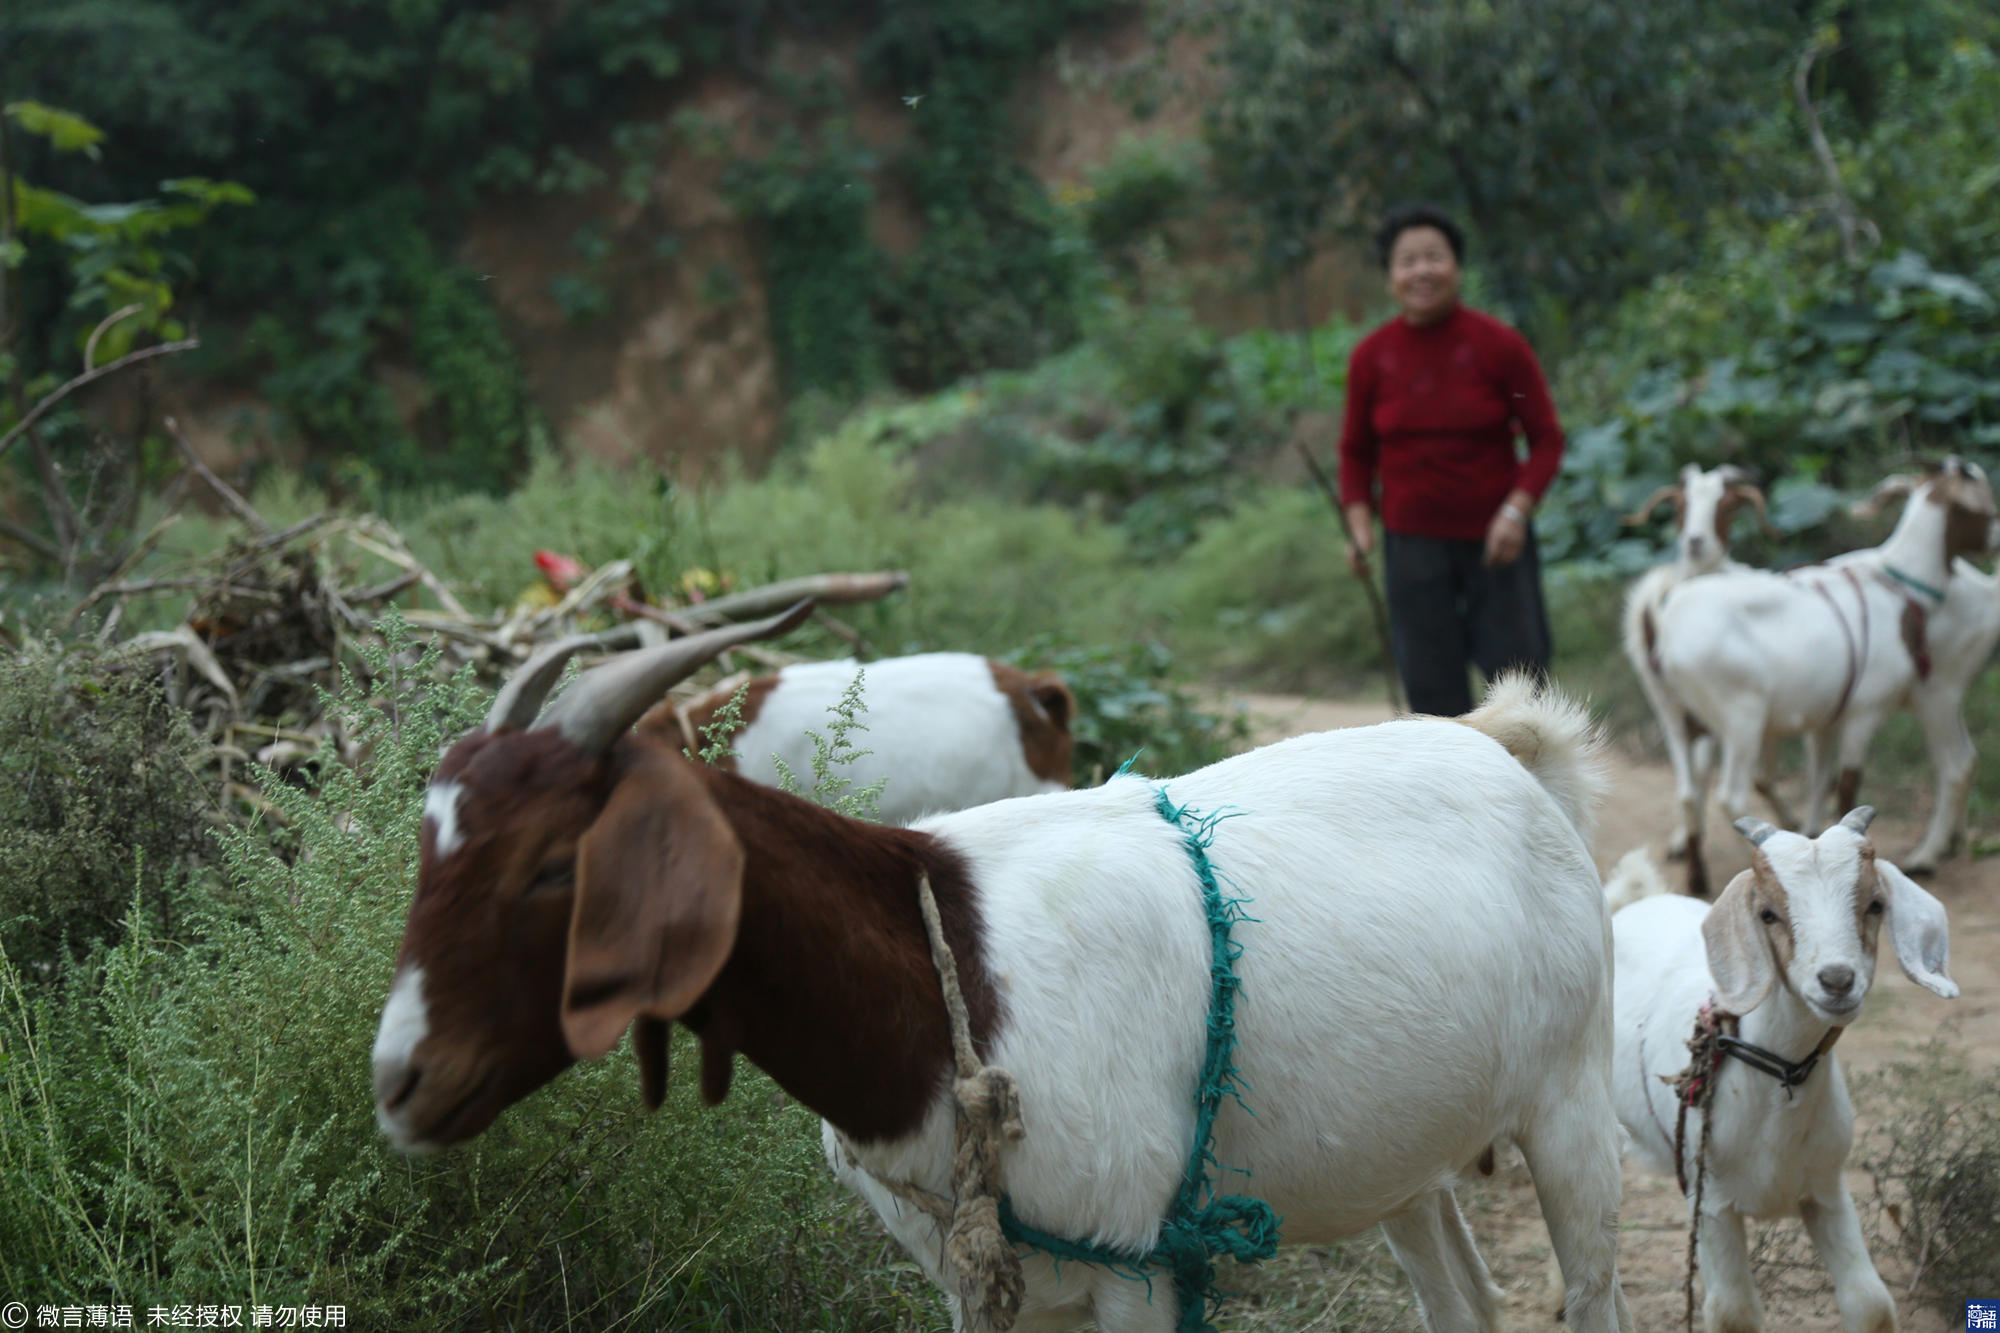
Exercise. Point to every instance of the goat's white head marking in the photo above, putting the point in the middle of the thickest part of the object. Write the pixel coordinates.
(405, 1023)
(441, 808)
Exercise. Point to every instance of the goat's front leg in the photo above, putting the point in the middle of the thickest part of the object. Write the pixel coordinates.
(1865, 1304)
(1729, 1297)
(1951, 758)
(1820, 748)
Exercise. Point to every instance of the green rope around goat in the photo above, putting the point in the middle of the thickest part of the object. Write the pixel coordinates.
(1201, 1223)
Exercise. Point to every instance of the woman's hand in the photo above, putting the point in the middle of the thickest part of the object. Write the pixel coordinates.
(1508, 532)
(1361, 538)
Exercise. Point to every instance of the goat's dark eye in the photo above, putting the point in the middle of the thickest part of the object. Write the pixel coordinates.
(552, 877)
(1876, 908)
(1769, 917)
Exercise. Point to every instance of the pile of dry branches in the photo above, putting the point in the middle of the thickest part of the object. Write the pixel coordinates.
(276, 616)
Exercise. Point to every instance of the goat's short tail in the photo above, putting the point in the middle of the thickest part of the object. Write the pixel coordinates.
(1634, 877)
(1553, 737)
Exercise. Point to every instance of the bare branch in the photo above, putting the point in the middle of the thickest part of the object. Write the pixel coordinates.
(1844, 216)
(241, 507)
(34, 541)
(90, 348)
(63, 391)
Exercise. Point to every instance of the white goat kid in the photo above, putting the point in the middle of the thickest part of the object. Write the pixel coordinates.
(1789, 949)
(1704, 502)
(1828, 651)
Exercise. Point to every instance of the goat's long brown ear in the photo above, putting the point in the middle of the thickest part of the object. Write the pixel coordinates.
(1739, 957)
(1052, 692)
(659, 888)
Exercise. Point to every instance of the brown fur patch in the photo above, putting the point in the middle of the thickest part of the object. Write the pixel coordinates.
(1043, 707)
(1867, 893)
(1968, 507)
(828, 986)
(1913, 625)
(1847, 789)
(1768, 895)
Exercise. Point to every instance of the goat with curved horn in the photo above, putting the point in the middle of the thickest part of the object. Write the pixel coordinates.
(515, 706)
(1754, 829)
(1654, 501)
(607, 700)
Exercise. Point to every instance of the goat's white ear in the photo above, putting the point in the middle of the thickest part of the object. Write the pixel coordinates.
(1918, 931)
(1739, 957)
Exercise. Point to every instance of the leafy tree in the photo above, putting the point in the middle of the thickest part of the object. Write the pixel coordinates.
(1581, 142)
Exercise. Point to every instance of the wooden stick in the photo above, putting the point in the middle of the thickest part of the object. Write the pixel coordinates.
(823, 588)
(63, 391)
(1376, 610)
(241, 507)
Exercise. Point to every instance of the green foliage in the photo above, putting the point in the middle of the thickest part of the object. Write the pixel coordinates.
(111, 256)
(1937, 1161)
(1580, 142)
(100, 799)
(1149, 182)
(1132, 704)
(190, 1122)
(835, 750)
(728, 720)
(822, 268)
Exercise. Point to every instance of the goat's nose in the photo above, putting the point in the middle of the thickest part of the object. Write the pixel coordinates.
(1696, 546)
(1838, 979)
(395, 1080)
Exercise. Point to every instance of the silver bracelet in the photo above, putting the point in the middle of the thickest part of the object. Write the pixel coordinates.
(1514, 512)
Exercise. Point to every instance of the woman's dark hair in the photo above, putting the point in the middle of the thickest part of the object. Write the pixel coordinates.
(1420, 215)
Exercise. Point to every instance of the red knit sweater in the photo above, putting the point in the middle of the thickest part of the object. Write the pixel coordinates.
(1432, 412)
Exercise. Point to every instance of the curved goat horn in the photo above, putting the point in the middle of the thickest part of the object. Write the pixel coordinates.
(608, 699)
(515, 706)
(1902, 483)
(1645, 511)
(1754, 829)
(1858, 819)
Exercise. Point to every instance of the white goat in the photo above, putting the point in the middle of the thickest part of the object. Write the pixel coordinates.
(1827, 650)
(1789, 950)
(1704, 502)
(944, 731)
(1426, 973)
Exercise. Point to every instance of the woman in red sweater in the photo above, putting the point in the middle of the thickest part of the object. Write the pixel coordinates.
(1434, 400)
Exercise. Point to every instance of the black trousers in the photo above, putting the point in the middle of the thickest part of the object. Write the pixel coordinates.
(1448, 611)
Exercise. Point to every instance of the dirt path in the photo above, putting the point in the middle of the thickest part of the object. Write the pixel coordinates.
(1899, 1018)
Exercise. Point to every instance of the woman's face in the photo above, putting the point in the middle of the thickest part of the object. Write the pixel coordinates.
(1423, 274)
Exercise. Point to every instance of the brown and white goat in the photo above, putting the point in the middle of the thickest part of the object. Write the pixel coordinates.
(580, 877)
(945, 730)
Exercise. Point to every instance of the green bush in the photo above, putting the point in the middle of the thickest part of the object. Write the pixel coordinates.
(101, 799)
(191, 1122)
(1131, 706)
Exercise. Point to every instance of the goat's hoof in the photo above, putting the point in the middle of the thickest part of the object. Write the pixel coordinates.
(1918, 865)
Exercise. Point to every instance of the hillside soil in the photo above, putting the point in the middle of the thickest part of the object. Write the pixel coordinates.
(1899, 1018)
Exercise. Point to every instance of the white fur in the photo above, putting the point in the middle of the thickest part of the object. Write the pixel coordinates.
(1769, 1154)
(1426, 974)
(405, 1023)
(1698, 549)
(937, 727)
(1634, 877)
(1756, 656)
(441, 805)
